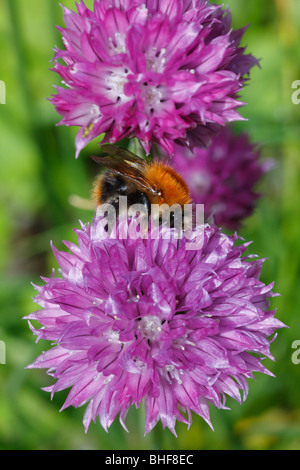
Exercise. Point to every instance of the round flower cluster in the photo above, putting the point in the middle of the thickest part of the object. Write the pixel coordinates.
(223, 176)
(158, 70)
(148, 319)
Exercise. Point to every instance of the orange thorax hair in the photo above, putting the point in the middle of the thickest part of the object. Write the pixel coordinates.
(173, 188)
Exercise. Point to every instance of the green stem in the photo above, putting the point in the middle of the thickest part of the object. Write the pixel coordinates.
(135, 147)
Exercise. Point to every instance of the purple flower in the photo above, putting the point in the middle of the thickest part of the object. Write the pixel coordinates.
(223, 176)
(148, 319)
(163, 70)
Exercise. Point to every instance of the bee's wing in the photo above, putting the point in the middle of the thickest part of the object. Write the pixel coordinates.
(126, 163)
(122, 154)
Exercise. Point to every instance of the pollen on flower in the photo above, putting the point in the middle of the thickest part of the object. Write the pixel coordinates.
(115, 81)
(150, 327)
(88, 130)
(151, 95)
(156, 60)
(173, 374)
(139, 363)
(114, 337)
(118, 45)
(108, 380)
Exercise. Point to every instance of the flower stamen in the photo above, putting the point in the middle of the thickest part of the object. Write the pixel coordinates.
(150, 327)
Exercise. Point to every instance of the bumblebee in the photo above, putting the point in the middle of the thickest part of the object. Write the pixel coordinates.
(141, 182)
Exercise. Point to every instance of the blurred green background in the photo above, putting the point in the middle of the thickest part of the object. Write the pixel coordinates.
(39, 174)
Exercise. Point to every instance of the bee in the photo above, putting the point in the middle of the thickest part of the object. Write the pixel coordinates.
(141, 182)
